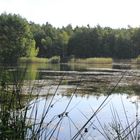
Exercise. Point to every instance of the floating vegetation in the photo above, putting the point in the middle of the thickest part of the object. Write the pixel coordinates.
(54, 107)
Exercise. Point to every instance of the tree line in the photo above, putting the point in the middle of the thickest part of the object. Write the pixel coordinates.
(20, 38)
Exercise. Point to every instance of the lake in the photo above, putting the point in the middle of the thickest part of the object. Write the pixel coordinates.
(81, 101)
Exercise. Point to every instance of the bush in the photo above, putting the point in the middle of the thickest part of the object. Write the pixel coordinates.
(54, 59)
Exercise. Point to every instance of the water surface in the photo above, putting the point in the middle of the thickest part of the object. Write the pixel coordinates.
(70, 94)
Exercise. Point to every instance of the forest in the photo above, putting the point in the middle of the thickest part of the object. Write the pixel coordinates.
(21, 38)
(91, 93)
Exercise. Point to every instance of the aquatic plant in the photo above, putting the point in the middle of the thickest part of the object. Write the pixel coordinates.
(92, 60)
(22, 119)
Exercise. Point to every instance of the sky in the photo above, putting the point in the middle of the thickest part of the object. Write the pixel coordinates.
(110, 13)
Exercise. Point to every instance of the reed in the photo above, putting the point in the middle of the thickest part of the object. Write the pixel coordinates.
(54, 59)
(33, 60)
(19, 119)
(137, 60)
(92, 61)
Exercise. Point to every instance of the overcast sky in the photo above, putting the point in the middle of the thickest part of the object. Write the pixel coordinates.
(112, 13)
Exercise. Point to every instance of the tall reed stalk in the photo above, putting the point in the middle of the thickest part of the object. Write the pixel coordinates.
(19, 117)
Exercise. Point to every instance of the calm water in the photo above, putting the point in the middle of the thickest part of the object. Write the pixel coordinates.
(82, 108)
(119, 108)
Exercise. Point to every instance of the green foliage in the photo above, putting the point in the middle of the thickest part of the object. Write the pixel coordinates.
(63, 39)
(46, 42)
(32, 51)
(54, 59)
(103, 42)
(33, 60)
(86, 42)
(51, 41)
(93, 61)
(137, 60)
(16, 39)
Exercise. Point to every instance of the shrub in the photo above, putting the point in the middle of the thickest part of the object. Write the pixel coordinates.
(54, 59)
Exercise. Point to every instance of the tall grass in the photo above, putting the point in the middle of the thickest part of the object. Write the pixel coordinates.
(20, 120)
(137, 60)
(92, 61)
(53, 60)
(33, 60)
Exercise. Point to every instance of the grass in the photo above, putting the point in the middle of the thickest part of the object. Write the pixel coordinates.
(53, 60)
(19, 120)
(137, 60)
(56, 59)
(33, 60)
(92, 60)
